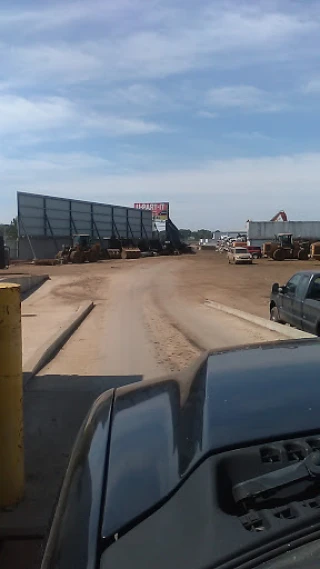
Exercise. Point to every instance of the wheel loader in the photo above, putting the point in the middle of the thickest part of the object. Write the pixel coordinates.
(315, 251)
(285, 247)
(129, 249)
(81, 250)
(116, 248)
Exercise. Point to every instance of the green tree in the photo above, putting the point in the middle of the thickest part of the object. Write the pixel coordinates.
(200, 234)
(204, 234)
(185, 233)
(12, 231)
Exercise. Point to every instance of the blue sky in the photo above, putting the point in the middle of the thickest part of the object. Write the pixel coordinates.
(211, 105)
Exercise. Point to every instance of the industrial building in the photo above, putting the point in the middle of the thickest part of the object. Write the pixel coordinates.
(259, 232)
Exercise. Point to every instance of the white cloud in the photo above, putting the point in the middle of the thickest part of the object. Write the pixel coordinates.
(19, 115)
(216, 37)
(112, 125)
(207, 114)
(58, 62)
(62, 14)
(144, 96)
(137, 99)
(26, 116)
(76, 70)
(247, 136)
(156, 42)
(246, 97)
(138, 94)
(312, 86)
(223, 192)
(52, 164)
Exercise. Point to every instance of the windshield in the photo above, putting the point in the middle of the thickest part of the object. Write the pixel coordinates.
(106, 107)
(241, 251)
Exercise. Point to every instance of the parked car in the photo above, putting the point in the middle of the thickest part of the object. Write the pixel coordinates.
(238, 255)
(215, 467)
(298, 302)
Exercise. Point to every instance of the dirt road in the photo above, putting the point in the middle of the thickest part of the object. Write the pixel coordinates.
(142, 324)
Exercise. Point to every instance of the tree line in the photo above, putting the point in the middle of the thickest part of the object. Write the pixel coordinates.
(196, 235)
(10, 230)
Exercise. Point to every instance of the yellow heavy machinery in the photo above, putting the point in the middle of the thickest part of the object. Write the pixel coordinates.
(315, 251)
(81, 250)
(130, 252)
(114, 248)
(285, 247)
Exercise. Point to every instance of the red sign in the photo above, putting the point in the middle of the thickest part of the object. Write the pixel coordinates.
(160, 211)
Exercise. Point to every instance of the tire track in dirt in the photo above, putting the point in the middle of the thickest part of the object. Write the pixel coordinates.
(173, 350)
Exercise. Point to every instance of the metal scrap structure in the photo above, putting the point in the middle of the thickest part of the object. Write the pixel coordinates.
(47, 223)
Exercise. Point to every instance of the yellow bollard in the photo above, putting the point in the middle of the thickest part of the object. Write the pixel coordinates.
(11, 393)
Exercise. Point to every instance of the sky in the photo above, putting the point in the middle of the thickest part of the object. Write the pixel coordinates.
(210, 105)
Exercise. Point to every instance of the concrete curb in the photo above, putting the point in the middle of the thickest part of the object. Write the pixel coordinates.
(262, 322)
(26, 282)
(45, 353)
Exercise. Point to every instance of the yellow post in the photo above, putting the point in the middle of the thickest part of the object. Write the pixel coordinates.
(11, 393)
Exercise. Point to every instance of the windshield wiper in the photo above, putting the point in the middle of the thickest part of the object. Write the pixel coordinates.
(306, 469)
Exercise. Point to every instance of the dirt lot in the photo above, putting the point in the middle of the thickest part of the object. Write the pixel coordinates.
(150, 311)
(149, 316)
(208, 275)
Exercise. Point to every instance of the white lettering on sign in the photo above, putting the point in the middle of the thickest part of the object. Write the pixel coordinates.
(160, 210)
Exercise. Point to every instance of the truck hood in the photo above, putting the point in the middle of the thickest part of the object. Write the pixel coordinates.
(161, 430)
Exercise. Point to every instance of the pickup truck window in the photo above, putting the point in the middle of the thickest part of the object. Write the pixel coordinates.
(302, 287)
(314, 290)
(292, 284)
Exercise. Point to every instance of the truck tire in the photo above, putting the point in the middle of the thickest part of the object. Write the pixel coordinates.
(274, 315)
(303, 255)
(255, 255)
(77, 256)
(279, 255)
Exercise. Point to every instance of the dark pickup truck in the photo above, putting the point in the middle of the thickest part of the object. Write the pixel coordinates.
(298, 302)
(215, 467)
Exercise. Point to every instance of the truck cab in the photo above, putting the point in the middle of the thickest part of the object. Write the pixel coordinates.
(298, 302)
(285, 239)
(81, 240)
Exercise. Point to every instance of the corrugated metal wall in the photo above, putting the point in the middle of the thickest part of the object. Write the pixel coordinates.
(49, 221)
(267, 230)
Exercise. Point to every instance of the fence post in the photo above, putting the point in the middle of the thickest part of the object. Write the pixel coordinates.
(11, 394)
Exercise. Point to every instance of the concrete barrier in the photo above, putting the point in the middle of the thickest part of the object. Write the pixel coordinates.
(46, 352)
(26, 282)
(263, 322)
